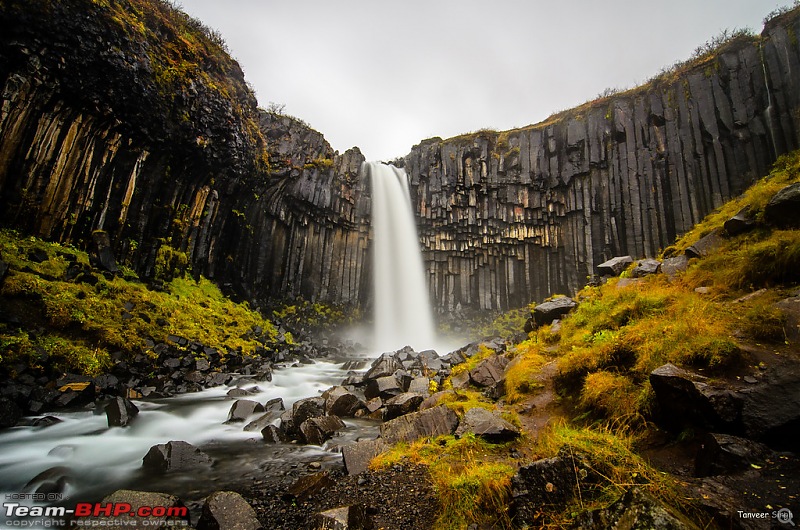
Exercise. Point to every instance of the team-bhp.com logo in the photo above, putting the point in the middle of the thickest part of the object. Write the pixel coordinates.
(92, 514)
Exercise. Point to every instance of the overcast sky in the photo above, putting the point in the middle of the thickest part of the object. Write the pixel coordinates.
(385, 75)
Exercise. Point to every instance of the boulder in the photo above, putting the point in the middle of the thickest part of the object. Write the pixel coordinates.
(52, 480)
(723, 454)
(316, 431)
(550, 482)
(243, 409)
(490, 371)
(487, 425)
(175, 455)
(383, 366)
(646, 267)
(341, 402)
(273, 434)
(383, 387)
(307, 408)
(420, 385)
(402, 404)
(272, 411)
(546, 312)
(635, 510)
(739, 223)
(10, 413)
(226, 510)
(674, 265)
(103, 254)
(46, 421)
(783, 210)
(343, 518)
(770, 408)
(176, 512)
(705, 245)
(435, 421)
(614, 266)
(357, 456)
(120, 412)
(308, 486)
(459, 380)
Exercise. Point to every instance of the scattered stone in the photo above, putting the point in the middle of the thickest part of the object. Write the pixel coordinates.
(38, 255)
(243, 409)
(436, 421)
(341, 402)
(460, 380)
(226, 510)
(725, 454)
(272, 411)
(273, 434)
(420, 385)
(316, 431)
(358, 455)
(174, 455)
(739, 223)
(343, 518)
(308, 486)
(490, 371)
(546, 312)
(614, 266)
(120, 412)
(402, 404)
(307, 408)
(702, 290)
(46, 421)
(635, 510)
(487, 425)
(783, 210)
(674, 265)
(705, 245)
(646, 267)
(175, 510)
(103, 254)
(383, 387)
(383, 366)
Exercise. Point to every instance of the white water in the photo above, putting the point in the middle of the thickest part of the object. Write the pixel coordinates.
(100, 460)
(402, 308)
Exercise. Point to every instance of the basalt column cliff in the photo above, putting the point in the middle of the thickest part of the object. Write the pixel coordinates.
(516, 216)
(130, 117)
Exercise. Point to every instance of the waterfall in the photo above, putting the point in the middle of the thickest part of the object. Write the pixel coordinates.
(768, 110)
(402, 308)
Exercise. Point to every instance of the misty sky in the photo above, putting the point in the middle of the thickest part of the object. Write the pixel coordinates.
(385, 75)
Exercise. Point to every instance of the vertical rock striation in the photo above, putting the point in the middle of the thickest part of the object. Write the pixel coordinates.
(519, 215)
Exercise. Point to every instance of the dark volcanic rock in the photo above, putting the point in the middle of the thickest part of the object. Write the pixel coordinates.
(547, 312)
(672, 266)
(272, 411)
(143, 499)
(435, 421)
(783, 210)
(739, 223)
(175, 455)
(635, 510)
(53, 480)
(316, 431)
(344, 518)
(402, 404)
(358, 455)
(614, 266)
(645, 267)
(273, 434)
(226, 510)
(341, 402)
(383, 387)
(489, 426)
(102, 251)
(490, 371)
(10, 413)
(120, 412)
(724, 454)
(243, 409)
(705, 245)
(309, 485)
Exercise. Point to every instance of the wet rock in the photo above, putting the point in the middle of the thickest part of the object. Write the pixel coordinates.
(46, 421)
(547, 312)
(402, 404)
(635, 510)
(226, 510)
(307, 408)
(487, 425)
(435, 421)
(238, 393)
(53, 480)
(10, 413)
(614, 266)
(383, 387)
(341, 402)
(358, 455)
(343, 518)
(242, 409)
(739, 223)
(75, 391)
(273, 434)
(705, 245)
(272, 411)
(175, 455)
(725, 454)
(120, 412)
(316, 431)
(308, 486)
(646, 267)
(783, 210)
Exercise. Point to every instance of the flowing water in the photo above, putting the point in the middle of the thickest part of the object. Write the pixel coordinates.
(402, 308)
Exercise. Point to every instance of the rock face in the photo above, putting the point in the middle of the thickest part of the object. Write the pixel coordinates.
(95, 135)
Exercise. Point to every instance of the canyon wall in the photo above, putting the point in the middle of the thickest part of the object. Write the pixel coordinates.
(130, 117)
(510, 217)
